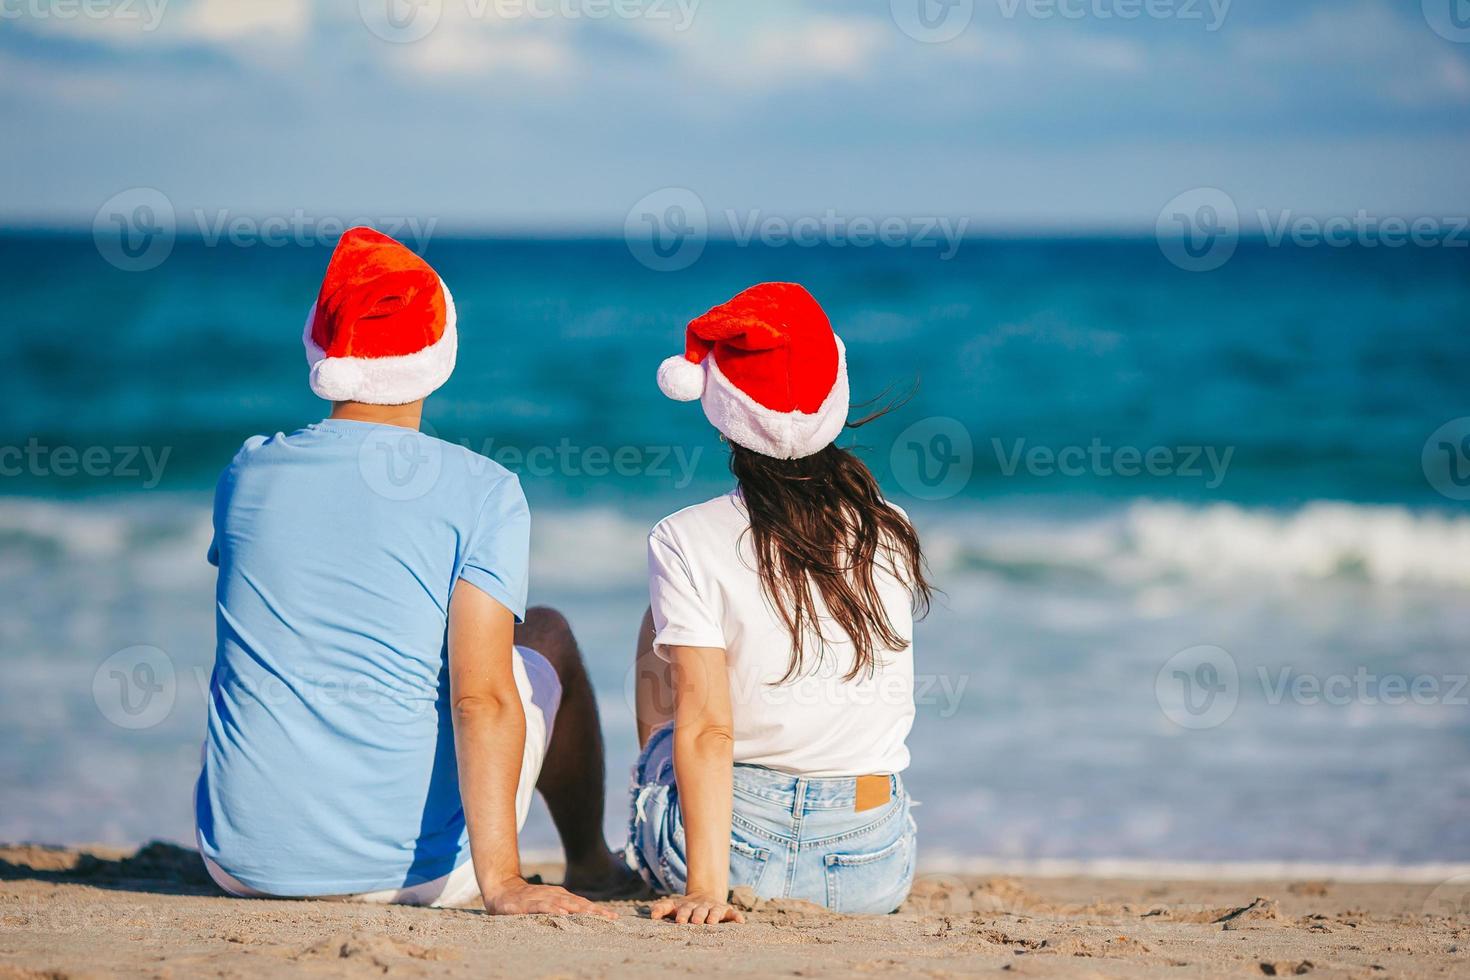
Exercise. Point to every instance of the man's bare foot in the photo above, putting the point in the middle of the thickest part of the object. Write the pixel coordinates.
(609, 879)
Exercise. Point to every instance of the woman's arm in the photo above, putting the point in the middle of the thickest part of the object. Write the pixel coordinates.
(489, 742)
(704, 744)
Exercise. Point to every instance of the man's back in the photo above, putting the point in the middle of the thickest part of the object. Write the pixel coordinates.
(330, 752)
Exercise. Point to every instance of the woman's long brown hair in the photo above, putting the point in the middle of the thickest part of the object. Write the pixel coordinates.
(820, 522)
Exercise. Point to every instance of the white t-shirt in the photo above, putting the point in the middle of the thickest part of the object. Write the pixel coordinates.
(705, 592)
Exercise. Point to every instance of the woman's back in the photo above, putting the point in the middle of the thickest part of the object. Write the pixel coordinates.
(707, 591)
(785, 610)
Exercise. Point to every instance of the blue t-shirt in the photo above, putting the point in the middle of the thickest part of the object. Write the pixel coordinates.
(329, 766)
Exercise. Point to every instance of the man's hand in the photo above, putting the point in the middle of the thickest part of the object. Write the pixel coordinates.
(517, 896)
(695, 910)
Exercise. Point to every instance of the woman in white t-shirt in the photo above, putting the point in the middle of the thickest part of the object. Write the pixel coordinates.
(775, 666)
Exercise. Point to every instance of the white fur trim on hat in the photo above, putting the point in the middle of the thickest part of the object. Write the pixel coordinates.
(782, 435)
(394, 380)
(681, 379)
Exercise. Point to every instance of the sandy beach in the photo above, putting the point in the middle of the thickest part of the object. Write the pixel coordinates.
(151, 913)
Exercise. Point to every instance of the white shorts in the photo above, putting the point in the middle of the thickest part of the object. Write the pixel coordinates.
(540, 690)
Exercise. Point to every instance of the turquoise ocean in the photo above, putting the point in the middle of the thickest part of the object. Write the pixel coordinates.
(1203, 537)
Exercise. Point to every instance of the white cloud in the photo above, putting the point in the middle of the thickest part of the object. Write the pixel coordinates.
(817, 46)
(1013, 50)
(771, 46)
(470, 40)
(1109, 54)
(1395, 57)
(222, 23)
(229, 21)
(482, 52)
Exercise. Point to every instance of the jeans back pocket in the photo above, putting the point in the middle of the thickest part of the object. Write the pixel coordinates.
(748, 865)
(872, 882)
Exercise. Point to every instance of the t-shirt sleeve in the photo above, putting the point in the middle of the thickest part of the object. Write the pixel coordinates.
(681, 616)
(498, 559)
(222, 490)
(216, 517)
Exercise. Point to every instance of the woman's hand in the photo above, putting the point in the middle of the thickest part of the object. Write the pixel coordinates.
(695, 910)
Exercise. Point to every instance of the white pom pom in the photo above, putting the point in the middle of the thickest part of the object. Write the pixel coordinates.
(681, 379)
(337, 379)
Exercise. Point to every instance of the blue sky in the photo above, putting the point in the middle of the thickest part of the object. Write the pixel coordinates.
(539, 116)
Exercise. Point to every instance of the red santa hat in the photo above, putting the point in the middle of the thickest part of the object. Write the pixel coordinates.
(382, 328)
(769, 371)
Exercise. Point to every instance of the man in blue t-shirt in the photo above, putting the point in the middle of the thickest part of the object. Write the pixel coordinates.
(383, 703)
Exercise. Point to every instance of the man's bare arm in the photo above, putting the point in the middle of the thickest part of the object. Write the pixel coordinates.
(489, 741)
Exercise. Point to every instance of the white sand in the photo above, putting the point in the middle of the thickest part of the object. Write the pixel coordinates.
(75, 913)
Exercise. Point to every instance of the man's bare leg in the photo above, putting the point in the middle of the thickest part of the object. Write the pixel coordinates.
(573, 775)
(653, 684)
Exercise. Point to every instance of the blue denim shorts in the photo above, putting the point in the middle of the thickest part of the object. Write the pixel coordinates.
(791, 836)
